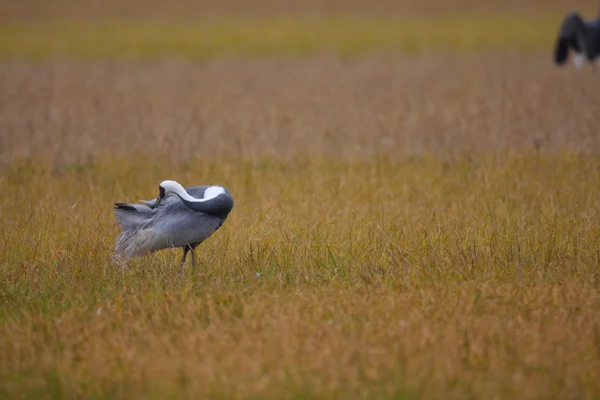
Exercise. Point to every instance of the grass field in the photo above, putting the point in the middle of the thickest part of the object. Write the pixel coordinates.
(409, 222)
(275, 37)
(358, 279)
(42, 10)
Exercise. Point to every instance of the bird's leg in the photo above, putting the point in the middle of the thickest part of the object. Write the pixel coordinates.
(193, 250)
(185, 251)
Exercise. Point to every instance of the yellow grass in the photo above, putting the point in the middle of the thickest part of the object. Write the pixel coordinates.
(194, 9)
(282, 36)
(424, 279)
(403, 228)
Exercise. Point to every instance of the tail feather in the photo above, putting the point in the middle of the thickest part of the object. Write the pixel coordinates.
(132, 216)
(133, 219)
(139, 242)
(130, 219)
(125, 206)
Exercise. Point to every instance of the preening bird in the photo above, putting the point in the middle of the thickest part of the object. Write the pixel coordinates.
(178, 217)
(579, 35)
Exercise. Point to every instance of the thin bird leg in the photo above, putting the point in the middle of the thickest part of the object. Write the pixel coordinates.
(193, 249)
(185, 251)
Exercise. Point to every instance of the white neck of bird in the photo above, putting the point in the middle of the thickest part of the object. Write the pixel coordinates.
(210, 193)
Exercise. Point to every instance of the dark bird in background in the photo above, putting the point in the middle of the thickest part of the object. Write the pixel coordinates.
(581, 36)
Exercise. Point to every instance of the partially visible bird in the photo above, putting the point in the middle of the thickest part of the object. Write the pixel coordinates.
(178, 217)
(579, 35)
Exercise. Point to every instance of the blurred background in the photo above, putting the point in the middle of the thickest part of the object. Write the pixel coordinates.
(30, 9)
(230, 78)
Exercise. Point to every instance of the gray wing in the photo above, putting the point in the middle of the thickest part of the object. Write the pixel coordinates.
(136, 239)
(172, 224)
(150, 203)
(183, 226)
(131, 216)
(184, 223)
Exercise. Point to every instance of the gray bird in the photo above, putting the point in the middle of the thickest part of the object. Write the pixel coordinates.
(579, 35)
(178, 217)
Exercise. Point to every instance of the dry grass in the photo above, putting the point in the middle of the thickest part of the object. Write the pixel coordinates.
(378, 279)
(469, 340)
(78, 113)
(59, 9)
(403, 228)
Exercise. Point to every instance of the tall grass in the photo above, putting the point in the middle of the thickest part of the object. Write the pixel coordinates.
(359, 279)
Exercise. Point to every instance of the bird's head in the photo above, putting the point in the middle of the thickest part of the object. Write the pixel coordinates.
(166, 189)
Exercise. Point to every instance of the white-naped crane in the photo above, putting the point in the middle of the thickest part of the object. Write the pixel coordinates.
(178, 217)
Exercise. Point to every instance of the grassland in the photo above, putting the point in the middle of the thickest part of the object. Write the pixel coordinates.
(259, 37)
(36, 10)
(373, 279)
(35, 30)
(406, 225)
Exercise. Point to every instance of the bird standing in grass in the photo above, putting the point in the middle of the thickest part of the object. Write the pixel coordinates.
(178, 217)
(579, 35)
